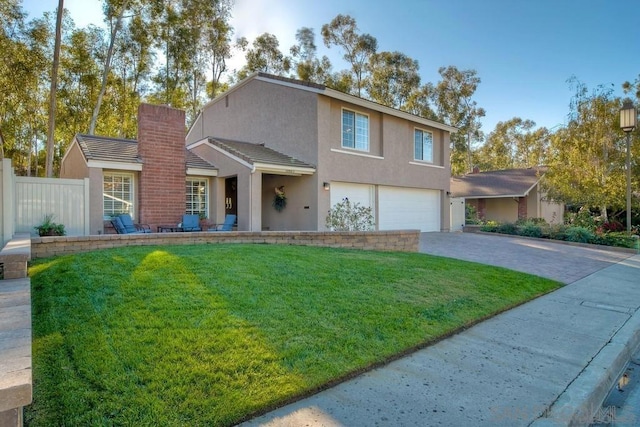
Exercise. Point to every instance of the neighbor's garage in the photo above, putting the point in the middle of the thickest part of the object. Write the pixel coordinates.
(402, 208)
(399, 208)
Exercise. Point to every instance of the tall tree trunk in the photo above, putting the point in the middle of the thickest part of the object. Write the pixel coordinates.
(107, 68)
(54, 89)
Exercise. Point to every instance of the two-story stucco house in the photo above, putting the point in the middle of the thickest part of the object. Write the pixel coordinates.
(329, 145)
(315, 144)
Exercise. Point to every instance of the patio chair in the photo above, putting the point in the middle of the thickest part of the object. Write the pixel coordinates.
(227, 225)
(191, 223)
(131, 227)
(121, 229)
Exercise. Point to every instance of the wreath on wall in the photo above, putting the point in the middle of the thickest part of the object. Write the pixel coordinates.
(280, 200)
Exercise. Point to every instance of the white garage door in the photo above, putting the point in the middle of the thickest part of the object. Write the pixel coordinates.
(408, 208)
(356, 193)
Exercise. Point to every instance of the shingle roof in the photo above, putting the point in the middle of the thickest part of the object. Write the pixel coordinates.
(108, 149)
(195, 161)
(254, 153)
(102, 148)
(510, 182)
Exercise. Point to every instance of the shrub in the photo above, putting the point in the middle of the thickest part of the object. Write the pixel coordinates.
(557, 232)
(507, 228)
(612, 226)
(535, 221)
(490, 227)
(530, 230)
(347, 216)
(579, 235)
(471, 215)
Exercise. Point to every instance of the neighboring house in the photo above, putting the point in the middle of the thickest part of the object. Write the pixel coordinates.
(321, 145)
(316, 144)
(507, 195)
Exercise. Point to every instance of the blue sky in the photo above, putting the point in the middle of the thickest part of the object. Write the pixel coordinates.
(523, 50)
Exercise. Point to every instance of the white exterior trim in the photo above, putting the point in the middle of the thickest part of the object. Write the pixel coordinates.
(429, 165)
(114, 165)
(361, 154)
(201, 172)
(284, 170)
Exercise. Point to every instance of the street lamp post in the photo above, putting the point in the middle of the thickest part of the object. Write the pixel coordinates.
(628, 122)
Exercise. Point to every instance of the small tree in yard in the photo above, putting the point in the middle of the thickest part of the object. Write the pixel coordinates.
(347, 216)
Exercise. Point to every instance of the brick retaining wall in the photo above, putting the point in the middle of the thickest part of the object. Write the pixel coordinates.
(400, 240)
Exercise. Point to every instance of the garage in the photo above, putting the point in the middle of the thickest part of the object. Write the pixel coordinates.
(356, 193)
(402, 208)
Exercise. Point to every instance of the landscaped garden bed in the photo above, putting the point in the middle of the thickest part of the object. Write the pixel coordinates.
(211, 334)
(564, 232)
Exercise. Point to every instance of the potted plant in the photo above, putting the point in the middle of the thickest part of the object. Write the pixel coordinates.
(50, 228)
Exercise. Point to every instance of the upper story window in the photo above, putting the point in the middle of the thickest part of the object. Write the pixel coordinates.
(423, 145)
(355, 130)
(117, 194)
(197, 197)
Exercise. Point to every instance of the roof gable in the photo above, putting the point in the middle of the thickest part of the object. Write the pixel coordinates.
(503, 183)
(332, 93)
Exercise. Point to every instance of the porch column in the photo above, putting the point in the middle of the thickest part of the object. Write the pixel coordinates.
(255, 221)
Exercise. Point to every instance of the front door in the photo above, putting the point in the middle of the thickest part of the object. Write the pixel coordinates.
(231, 196)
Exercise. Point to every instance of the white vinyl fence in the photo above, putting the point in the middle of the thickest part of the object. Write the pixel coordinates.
(26, 201)
(66, 199)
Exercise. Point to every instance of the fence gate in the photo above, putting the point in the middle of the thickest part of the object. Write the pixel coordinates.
(457, 213)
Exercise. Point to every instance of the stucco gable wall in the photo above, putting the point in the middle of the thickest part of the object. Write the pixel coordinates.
(74, 165)
(284, 118)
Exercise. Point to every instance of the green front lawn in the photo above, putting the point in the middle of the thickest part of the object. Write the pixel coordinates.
(206, 335)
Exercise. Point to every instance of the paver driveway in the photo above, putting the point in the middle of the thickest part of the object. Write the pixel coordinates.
(557, 261)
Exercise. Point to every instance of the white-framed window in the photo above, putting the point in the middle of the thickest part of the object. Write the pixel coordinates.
(117, 194)
(423, 145)
(355, 130)
(197, 197)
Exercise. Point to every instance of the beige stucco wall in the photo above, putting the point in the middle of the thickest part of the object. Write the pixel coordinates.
(74, 165)
(302, 207)
(501, 210)
(283, 118)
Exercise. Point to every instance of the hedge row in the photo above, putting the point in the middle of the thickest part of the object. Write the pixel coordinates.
(564, 232)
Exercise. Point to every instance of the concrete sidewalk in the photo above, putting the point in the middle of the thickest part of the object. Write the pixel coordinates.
(548, 362)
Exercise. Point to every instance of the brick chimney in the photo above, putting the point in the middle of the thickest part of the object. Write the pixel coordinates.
(161, 146)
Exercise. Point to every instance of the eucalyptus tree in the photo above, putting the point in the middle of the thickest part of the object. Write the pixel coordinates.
(588, 155)
(420, 102)
(53, 91)
(393, 78)
(114, 11)
(514, 144)
(264, 56)
(79, 82)
(25, 52)
(132, 67)
(216, 41)
(453, 97)
(305, 60)
(343, 32)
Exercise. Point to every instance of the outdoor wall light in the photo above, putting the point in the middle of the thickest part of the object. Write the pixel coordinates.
(628, 122)
(326, 186)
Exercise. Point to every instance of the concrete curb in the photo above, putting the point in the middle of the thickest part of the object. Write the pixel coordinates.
(577, 405)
